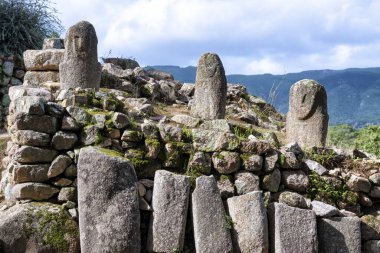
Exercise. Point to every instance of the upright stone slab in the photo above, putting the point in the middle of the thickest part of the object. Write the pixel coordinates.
(170, 203)
(211, 226)
(250, 226)
(339, 234)
(80, 67)
(307, 118)
(109, 217)
(210, 88)
(292, 229)
(43, 60)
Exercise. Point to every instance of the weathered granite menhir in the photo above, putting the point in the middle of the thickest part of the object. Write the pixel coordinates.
(211, 224)
(210, 88)
(170, 204)
(307, 118)
(250, 226)
(80, 66)
(339, 234)
(109, 217)
(292, 229)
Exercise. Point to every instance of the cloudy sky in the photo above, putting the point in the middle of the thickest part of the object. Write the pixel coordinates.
(250, 36)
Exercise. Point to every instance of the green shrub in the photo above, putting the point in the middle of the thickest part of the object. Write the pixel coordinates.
(368, 139)
(24, 24)
(243, 132)
(326, 157)
(342, 136)
(321, 190)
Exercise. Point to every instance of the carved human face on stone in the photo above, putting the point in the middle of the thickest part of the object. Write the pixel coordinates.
(81, 40)
(305, 95)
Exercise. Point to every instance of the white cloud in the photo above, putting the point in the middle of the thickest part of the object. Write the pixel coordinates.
(264, 66)
(251, 36)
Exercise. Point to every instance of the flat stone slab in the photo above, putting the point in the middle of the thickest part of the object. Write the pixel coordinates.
(30, 173)
(339, 234)
(211, 226)
(21, 91)
(220, 125)
(35, 191)
(250, 225)
(170, 204)
(39, 77)
(34, 105)
(316, 167)
(48, 59)
(211, 140)
(324, 210)
(38, 123)
(185, 120)
(109, 217)
(29, 154)
(30, 138)
(292, 229)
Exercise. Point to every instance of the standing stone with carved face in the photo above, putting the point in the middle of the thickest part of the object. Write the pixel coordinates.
(210, 88)
(307, 118)
(80, 67)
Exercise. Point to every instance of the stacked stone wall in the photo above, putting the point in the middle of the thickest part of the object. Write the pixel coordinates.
(48, 131)
(11, 74)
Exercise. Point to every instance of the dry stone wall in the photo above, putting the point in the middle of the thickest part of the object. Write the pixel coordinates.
(11, 74)
(43, 65)
(206, 161)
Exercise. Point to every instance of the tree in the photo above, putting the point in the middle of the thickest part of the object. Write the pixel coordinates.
(24, 24)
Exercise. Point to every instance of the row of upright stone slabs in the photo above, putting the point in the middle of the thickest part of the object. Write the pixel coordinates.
(109, 217)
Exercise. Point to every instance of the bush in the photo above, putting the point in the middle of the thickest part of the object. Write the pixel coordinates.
(342, 136)
(368, 139)
(24, 24)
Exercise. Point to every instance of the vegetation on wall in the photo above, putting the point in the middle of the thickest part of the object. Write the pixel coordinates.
(25, 23)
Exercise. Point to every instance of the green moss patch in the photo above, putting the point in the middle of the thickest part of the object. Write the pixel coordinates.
(112, 153)
(137, 158)
(53, 227)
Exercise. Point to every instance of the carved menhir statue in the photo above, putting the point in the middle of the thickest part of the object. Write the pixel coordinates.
(80, 67)
(307, 119)
(210, 88)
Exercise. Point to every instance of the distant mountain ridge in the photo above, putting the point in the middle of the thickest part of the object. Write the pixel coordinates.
(353, 94)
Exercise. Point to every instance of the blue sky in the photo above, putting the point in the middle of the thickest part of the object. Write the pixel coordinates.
(250, 36)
